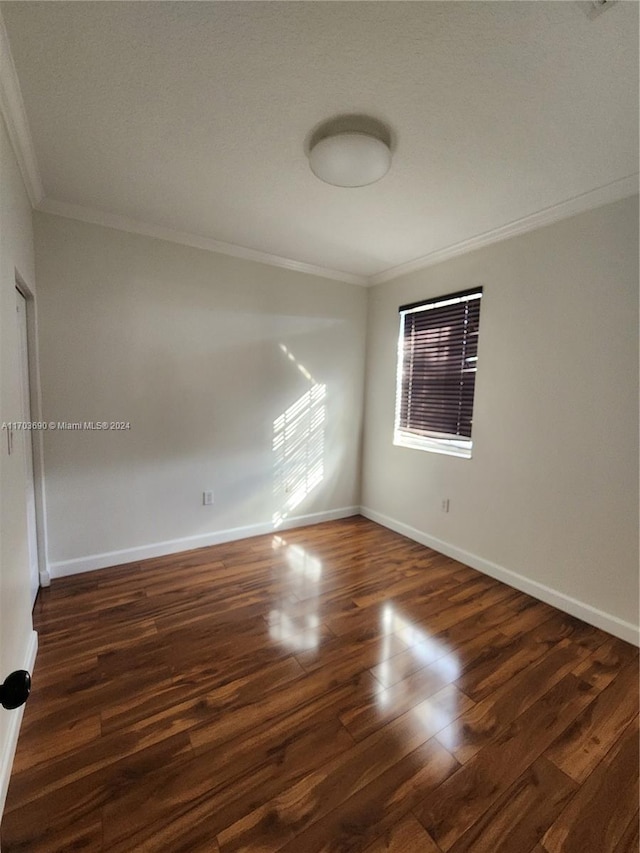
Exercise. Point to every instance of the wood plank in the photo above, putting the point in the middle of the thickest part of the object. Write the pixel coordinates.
(50, 740)
(504, 659)
(597, 817)
(270, 756)
(440, 618)
(429, 656)
(584, 744)
(406, 836)
(314, 796)
(630, 839)
(84, 833)
(180, 835)
(88, 692)
(434, 579)
(105, 754)
(392, 702)
(183, 693)
(349, 657)
(55, 816)
(525, 614)
(468, 628)
(518, 819)
(377, 807)
(604, 664)
(477, 726)
(462, 800)
(351, 692)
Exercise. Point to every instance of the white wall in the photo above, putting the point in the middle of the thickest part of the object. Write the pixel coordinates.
(17, 639)
(551, 492)
(187, 346)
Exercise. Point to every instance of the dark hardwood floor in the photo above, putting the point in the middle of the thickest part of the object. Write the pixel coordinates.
(331, 688)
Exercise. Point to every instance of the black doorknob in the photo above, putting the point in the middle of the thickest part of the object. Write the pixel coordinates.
(15, 689)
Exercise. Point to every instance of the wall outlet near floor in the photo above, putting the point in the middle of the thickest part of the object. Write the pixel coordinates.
(207, 498)
(444, 505)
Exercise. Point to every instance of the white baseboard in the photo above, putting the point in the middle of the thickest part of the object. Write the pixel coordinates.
(11, 742)
(592, 615)
(173, 546)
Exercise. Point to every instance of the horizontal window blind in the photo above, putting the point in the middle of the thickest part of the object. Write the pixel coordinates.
(439, 343)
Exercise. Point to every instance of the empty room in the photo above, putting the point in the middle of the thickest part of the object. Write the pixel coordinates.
(319, 403)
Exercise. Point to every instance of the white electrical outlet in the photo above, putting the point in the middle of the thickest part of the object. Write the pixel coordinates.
(207, 498)
(444, 506)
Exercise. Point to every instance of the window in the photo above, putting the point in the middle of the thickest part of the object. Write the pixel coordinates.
(437, 362)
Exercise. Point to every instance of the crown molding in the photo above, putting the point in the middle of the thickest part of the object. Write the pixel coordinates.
(15, 117)
(614, 191)
(135, 226)
(597, 197)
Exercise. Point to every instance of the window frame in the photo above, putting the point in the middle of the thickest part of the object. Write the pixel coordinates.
(431, 440)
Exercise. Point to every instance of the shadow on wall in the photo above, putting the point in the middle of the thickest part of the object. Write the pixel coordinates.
(298, 446)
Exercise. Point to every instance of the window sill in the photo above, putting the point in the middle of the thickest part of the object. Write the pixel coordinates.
(448, 447)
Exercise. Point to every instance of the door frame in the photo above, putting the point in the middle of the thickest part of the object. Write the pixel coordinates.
(37, 436)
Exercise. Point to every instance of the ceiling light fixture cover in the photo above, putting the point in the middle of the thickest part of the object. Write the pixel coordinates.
(350, 159)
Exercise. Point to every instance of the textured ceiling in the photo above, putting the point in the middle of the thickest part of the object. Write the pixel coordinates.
(194, 116)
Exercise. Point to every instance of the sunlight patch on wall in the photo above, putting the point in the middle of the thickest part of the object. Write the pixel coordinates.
(298, 447)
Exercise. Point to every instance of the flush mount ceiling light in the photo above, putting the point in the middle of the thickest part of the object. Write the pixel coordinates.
(350, 156)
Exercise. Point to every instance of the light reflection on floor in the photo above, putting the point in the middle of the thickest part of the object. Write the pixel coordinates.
(431, 657)
(298, 632)
(410, 661)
